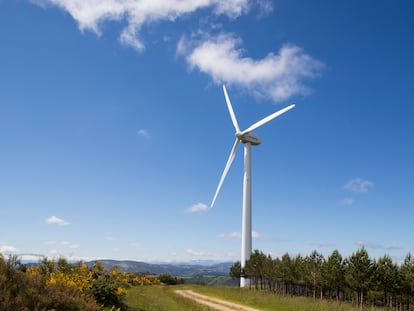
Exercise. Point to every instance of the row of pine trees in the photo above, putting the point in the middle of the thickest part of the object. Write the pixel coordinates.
(357, 278)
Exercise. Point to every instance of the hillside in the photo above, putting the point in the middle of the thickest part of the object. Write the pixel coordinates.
(206, 273)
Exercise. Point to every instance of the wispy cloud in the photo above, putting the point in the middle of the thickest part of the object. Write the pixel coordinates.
(276, 76)
(31, 257)
(347, 201)
(144, 133)
(265, 7)
(237, 235)
(373, 245)
(7, 249)
(358, 185)
(53, 220)
(210, 255)
(90, 15)
(66, 249)
(198, 207)
(70, 245)
(323, 244)
(230, 235)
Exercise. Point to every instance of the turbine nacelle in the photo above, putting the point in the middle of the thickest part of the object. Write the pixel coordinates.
(249, 138)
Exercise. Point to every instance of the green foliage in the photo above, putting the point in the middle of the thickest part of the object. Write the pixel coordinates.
(334, 275)
(255, 268)
(212, 280)
(359, 274)
(386, 277)
(407, 274)
(21, 290)
(357, 279)
(314, 263)
(106, 291)
(108, 287)
(170, 280)
(60, 285)
(235, 270)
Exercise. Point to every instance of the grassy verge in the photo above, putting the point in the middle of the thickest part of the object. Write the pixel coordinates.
(159, 298)
(266, 301)
(162, 298)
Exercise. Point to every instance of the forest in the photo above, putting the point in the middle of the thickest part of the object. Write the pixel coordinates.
(357, 278)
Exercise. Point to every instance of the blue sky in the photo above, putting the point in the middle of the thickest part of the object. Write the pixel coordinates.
(114, 129)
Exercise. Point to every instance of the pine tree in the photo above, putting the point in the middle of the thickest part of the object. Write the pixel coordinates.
(334, 274)
(359, 274)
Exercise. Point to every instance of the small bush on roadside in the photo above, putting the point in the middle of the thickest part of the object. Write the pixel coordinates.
(170, 280)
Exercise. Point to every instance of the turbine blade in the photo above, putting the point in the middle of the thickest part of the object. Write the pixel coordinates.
(229, 106)
(226, 169)
(267, 119)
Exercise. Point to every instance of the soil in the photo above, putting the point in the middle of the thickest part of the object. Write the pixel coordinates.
(213, 303)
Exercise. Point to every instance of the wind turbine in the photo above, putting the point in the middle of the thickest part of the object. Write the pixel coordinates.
(248, 139)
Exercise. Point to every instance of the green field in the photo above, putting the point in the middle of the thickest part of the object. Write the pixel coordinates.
(159, 298)
(162, 298)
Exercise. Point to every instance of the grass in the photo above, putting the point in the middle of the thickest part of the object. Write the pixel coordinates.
(162, 298)
(159, 298)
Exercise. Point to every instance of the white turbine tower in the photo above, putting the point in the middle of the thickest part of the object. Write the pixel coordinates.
(248, 139)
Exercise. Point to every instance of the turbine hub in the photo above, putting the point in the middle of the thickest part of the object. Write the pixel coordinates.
(250, 138)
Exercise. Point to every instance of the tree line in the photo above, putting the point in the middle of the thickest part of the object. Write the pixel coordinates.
(357, 278)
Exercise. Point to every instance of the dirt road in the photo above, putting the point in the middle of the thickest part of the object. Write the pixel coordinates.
(214, 303)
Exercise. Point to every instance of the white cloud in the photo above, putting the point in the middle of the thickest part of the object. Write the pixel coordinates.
(347, 201)
(199, 207)
(323, 244)
(211, 255)
(70, 245)
(74, 246)
(7, 249)
(359, 185)
(237, 235)
(373, 245)
(230, 235)
(91, 14)
(276, 76)
(195, 253)
(31, 257)
(144, 133)
(265, 6)
(53, 220)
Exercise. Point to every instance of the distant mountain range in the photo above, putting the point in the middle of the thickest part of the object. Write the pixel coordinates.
(185, 270)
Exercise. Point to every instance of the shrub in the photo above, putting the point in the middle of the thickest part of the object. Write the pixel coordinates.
(170, 280)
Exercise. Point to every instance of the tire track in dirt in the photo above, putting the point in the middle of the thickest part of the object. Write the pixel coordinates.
(214, 303)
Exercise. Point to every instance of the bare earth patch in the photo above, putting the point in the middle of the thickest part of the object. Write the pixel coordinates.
(214, 303)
